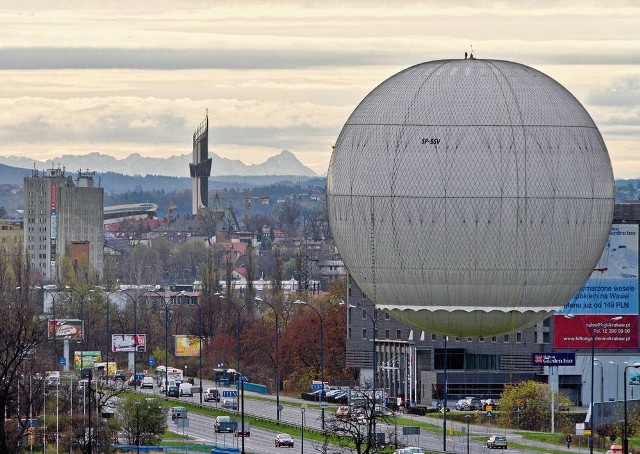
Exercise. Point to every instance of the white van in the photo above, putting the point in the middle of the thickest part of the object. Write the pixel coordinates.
(186, 389)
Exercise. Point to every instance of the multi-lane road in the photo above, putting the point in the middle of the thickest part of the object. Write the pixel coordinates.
(200, 428)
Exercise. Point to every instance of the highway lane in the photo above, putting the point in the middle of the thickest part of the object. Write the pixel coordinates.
(262, 441)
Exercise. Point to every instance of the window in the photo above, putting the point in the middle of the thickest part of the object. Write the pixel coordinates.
(398, 334)
(434, 337)
(505, 339)
(481, 338)
(386, 334)
(494, 339)
(469, 339)
(349, 333)
(364, 314)
(519, 337)
(364, 333)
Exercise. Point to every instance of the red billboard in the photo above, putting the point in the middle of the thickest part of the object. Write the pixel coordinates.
(577, 332)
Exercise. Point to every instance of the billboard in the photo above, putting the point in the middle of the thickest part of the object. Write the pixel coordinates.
(85, 359)
(613, 285)
(611, 291)
(128, 343)
(572, 333)
(187, 345)
(66, 329)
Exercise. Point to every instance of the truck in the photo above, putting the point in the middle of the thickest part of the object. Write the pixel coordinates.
(224, 424)
(172, 374)
(103, 370)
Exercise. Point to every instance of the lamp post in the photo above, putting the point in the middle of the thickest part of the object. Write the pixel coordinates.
(166, 299)
(135, 333)
(237, 309)
(598, 363)
(374, 321)
(137, 404)
(592, 332)
(322, 403)
(303, 407)
(275, 311)
(467, 417)
(617, 379)
(625, 439)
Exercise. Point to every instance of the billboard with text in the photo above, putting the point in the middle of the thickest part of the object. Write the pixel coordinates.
(66, 329)
(576, 332)
(613, 285)
(128, 343)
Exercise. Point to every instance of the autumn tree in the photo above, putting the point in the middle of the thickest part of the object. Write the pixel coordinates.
(534, 401)
(143, 421)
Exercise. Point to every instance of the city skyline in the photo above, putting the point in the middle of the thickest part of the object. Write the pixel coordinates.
(82, 77)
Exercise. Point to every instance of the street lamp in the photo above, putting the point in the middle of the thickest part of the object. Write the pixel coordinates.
(275, 311)
(166, 299)
(322, 403)
(467, 417)
(303, 407)
(374, 321)
(625, 440)
(137, 404)
(598, 363)
(237, 309)
(592, 332)
(617, 379)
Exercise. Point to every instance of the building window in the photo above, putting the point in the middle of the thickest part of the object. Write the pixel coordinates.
(505, 339)
(481, 338)
(398, 334)
(519, 337)
(434, 337)
(469, 339)
(494, 339)
(349, 332)
(364, 333)
(386, 334)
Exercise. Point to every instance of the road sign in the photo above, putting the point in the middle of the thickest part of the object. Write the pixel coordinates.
(152, 361)
(63, 361)
(229, 393)
(323, 404)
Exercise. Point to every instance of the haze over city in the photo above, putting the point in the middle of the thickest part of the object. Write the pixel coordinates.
(81, 77)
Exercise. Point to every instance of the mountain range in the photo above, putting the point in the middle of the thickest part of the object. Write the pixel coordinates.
(284, 163)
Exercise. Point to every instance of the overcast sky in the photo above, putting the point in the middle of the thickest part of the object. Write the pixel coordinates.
(119, 77)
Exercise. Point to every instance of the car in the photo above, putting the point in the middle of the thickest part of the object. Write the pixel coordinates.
(173, 391)
(497, 442)
(211, 394)
(342, 412)
(119, 375)
(224, 424)
(230, 404)
(178, 413)
(147, 382)
(284, 440)
(409, 450)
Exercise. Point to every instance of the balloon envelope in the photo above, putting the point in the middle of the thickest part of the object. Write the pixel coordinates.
(470, 197)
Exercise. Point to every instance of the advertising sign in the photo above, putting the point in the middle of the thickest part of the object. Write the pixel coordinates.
(553, 359)
(66, 329)
(613, 285)
(187, 346)
(128, 343)
(85, 359)
(576, 332)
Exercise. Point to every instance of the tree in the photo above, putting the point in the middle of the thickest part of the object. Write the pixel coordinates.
(22, 333)
(358, 427)
(534, 402)
(143, 421)
(287, 217)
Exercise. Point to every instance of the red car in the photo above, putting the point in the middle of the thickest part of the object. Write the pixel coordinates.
(284, 440)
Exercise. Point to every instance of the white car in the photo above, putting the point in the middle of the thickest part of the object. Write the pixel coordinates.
(147, 382)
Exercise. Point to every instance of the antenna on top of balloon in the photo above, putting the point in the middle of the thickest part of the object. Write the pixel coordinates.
(471, 52)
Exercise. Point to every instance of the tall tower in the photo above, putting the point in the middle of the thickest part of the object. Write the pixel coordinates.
(200, 167)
